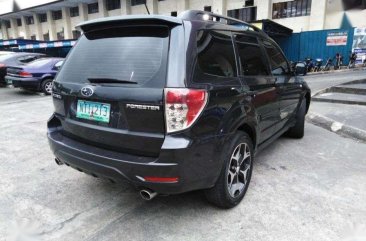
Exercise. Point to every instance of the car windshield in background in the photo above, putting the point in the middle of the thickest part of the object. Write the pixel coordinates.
(119, 56)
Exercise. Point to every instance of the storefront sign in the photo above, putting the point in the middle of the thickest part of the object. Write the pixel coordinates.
(337, 38)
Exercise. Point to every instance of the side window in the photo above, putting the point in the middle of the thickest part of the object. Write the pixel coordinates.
(250, 54)
(277, 61)
(215, 53)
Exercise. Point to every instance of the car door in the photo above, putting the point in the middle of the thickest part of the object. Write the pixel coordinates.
(254, 75)
(289, 89)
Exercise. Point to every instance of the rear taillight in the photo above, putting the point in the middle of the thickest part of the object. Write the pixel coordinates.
(182, 107)
(2, 65)
(25, 74)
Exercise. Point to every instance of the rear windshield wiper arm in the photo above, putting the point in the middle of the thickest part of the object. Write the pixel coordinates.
(110, 80)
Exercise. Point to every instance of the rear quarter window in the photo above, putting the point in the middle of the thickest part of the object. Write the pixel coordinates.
(128, 54)
(215, 56)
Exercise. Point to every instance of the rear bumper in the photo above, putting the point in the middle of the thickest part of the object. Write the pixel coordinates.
(31, 83)
(195, 163)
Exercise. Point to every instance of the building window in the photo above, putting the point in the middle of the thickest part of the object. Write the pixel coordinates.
(93, 8)
(137, 2)
(42, 17)
(19, 22)
(46, 37)
(113, 4)
(29, 20)
(354, 4)
(60, 35)
(207, 9)
(33, 37)
(291, 9)
(7, 23)
(74, 11)
(174, 14)
(245, 14)
(249, 3)
(56, 15)
(76, 34)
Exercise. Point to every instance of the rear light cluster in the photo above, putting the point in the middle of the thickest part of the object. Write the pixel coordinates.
(182, 107)
(2, 65)
(25, 74)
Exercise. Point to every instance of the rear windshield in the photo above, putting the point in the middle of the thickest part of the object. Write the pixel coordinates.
(39, 62)
(136, 56)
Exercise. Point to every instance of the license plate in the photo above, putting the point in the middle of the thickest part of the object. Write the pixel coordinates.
(93, 111)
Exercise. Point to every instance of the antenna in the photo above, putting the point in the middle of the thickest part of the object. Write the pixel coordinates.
(147, 9)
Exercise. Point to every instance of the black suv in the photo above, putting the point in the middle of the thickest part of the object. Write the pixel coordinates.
(174, 104)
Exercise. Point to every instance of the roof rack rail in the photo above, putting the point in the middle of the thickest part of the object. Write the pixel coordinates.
(206, 16)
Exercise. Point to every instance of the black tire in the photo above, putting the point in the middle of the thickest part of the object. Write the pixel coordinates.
(297, 131)
(45, 86)
(220, 194)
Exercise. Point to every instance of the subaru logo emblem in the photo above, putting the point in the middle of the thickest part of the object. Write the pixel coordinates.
(87, 91)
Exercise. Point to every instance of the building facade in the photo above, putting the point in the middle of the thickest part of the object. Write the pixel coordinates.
(56, 19)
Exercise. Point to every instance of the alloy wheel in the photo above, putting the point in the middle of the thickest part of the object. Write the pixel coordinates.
(48, 87)
(238, 171)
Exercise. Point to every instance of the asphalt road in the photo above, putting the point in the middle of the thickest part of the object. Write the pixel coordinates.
(308, 189)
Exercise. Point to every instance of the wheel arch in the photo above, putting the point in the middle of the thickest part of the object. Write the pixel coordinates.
(251, 131)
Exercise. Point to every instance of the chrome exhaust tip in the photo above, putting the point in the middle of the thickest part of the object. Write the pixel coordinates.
(147, 194)
(58, 162)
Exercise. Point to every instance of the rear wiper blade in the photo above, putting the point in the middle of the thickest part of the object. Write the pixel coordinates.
(110, 80)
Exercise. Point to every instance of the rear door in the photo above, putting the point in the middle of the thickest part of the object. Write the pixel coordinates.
(255, 75)
(111, 89)
(289, 90)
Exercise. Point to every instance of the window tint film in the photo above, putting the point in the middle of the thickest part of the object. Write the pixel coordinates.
(128, 54)
(251, 58)
(216, 53)
(278, 62)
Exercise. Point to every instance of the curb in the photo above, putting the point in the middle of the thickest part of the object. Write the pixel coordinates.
(336, 127)
(336, 71)
(347, 102)
(342, 88)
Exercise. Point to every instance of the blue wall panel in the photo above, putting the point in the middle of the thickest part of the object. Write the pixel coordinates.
(313, 44)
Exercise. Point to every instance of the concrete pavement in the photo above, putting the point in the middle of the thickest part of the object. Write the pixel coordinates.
(308, 189)
(339, 105)
(321, 82)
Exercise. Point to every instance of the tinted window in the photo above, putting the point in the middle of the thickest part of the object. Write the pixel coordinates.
(250, 54)
(278, 62)
(126, 54)
(216, 53)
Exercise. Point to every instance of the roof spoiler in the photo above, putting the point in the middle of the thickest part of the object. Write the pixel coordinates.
(129, 19)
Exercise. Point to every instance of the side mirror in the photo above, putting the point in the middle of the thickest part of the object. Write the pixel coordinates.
(300, 69)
